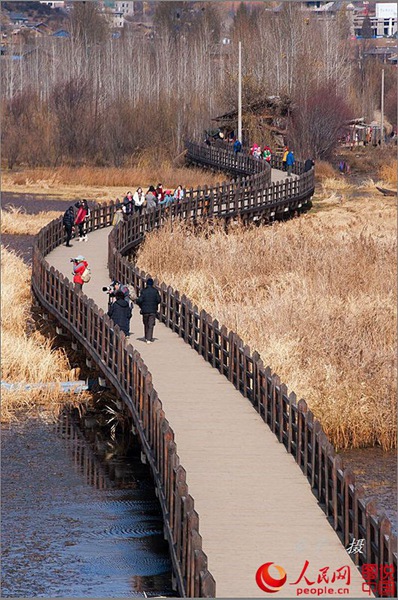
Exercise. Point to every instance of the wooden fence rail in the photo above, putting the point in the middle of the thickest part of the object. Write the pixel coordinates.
(124, 368)
(291, 421)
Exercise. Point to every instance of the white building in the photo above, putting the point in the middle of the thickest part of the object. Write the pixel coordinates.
(386, 19)
(125, 7)
(117, 11)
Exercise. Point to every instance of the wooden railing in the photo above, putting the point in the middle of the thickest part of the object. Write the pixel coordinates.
(248, 198)
(291, 421)
(124, 368)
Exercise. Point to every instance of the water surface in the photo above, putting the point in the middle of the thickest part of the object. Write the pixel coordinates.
(75, 524)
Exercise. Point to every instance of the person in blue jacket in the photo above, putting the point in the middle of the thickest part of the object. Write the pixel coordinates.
(237, 146)
(289, 162)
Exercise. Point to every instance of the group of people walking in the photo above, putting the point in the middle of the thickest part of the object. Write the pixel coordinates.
(257, 152)
(265, 153)
(120, 310)
(140, 201)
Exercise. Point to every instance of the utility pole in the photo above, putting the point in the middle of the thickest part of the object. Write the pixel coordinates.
(240, 94)
(382, 109)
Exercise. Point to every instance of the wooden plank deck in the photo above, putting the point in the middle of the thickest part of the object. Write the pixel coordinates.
(254, 504)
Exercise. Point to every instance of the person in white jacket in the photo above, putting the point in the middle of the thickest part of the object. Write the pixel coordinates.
(139, 200)
(178, 194)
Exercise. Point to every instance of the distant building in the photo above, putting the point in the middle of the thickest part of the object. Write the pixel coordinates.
(117, 18)
(117, 12)
(61, 33)
(18, 19)
(126, 8)
(386, 19)
(383, 20)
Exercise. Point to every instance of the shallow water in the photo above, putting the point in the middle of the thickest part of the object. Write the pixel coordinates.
(79, 519)
(376, 471)
(21, 244)
(33, 203)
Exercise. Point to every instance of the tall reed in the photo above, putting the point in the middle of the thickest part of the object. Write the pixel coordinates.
(317, 302)
(27, 356)
(15, 221)
(143, 174)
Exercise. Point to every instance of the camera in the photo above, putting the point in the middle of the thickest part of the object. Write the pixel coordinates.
(109, 289)
(72, 260)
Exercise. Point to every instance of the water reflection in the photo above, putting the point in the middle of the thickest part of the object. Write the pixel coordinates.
(80, 518)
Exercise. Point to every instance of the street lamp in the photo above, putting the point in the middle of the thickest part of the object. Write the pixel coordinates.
(240, 94)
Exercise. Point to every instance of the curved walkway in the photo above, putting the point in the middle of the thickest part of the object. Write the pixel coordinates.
(254, 504)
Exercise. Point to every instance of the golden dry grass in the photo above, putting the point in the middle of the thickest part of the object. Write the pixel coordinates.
(388, 172)
(336, 183)
(316, 297)
(102, 184)
(27, 356)
(15, 221)
(324, 170)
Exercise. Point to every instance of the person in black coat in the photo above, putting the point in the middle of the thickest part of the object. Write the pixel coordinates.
(148, 301)
(68, 222)
(309, 163)
(120, 312)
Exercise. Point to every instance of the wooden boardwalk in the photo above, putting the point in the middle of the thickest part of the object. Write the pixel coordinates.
(254, 503)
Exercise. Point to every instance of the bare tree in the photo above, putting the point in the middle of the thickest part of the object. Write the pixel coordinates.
(316, 124)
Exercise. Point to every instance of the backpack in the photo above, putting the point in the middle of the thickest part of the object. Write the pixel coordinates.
(86, 275)
(132, 293)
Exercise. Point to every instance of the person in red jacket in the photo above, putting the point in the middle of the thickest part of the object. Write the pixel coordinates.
(82, 213)
(79, 266)
(160, 192)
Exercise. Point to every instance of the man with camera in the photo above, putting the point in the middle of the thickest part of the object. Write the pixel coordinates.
(115, 287)
(120, 311)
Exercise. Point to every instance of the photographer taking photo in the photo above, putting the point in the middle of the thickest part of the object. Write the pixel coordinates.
(120, 312)
(81, 272)
(115, 286)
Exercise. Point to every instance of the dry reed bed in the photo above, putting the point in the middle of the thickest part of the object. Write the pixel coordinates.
(15, 221)
(389, 172)
(318, 302)
(27, 356)
(103, 183)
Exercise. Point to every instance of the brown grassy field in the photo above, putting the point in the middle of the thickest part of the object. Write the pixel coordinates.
(101, 184)
(26, 355)
(315, 296)
(15, 221)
